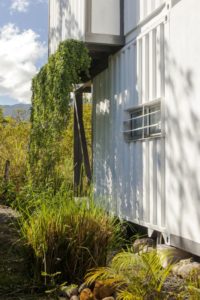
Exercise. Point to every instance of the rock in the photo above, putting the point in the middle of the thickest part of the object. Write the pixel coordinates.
(73, 292)
(82, 287)
(86, 294)
(69, 291)
(109, 298)
(185, 268)
(74, 297)
(102, 290)
(170, 254)
(143, 244)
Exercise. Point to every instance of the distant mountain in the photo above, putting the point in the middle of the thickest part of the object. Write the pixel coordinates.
(14, 110)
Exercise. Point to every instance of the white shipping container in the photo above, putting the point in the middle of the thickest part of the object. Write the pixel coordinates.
(146, 112)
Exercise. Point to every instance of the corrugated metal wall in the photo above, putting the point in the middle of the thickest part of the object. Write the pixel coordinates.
(137, 10)
(129, 177)
(54, 25)
(66, 21)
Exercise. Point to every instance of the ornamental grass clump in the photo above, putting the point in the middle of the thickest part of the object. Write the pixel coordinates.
(69, 236)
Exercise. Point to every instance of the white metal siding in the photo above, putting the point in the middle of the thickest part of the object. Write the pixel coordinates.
(54, 25)
(66, 21)
(137, 11)
(130, 176)
(106, 17)
(183, 121)
(73, 19)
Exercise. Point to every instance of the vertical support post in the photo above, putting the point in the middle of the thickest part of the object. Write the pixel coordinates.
(78, 157)
(80, 142)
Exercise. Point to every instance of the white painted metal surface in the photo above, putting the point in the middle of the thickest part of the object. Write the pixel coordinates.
(155, 182)
(183, 121)
(105, 17)
(66, 21)
(136, 11)
(92, 21)
(131, 174)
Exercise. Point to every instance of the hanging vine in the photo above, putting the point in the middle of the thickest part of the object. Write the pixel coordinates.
(51, 90)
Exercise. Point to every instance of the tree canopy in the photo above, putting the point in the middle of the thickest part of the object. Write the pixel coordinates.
(50, 109)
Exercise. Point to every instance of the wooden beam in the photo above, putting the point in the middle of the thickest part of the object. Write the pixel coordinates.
(78, 105)
(84, 88)
(78, 157)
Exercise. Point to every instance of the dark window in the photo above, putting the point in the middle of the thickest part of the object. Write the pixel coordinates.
(144, 122)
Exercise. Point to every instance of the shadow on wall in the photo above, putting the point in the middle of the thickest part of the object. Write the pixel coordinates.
(112, 168)
(182, 150)
(64, 23)
(120, 168)
(117, 167)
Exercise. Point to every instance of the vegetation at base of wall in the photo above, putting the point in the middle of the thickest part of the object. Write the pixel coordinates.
(134, 275)
(68, 235)
(192, 290)
(50, 110)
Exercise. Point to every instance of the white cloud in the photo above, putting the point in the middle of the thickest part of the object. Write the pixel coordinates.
(23, 5)
(19, 52)
(20, 5)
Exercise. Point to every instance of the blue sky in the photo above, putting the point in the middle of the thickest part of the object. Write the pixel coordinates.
(23, 47)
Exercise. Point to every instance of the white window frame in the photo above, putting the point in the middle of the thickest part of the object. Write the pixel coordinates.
(145, 129)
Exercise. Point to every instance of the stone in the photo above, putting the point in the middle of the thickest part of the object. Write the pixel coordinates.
(82, 287)
(171, 255)
(185, 268)
(86, 294)
(69, 291)
(73, 292)
(74, 297)
(102, 290)
(143, 244)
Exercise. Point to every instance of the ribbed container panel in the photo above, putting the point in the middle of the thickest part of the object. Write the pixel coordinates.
(66, 21)
(129, 176)
(136, 11)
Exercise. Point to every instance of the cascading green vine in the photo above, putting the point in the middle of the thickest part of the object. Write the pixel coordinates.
(51, 90)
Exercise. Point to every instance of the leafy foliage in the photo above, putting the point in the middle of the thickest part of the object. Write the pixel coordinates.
(136, 276)
(14, 138)
(50, 109)
(68, 236)
(192, 286)
(1, 115)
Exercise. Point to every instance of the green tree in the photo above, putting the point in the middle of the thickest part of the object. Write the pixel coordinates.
(50, 110)
(14, 140)
(1, 115)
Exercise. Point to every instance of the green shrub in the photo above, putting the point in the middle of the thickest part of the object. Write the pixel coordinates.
(50, 113)
(67, 235)
(14, 138)
(192, 286)
(135, 276)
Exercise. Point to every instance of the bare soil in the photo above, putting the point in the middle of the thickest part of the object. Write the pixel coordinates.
(14, 279)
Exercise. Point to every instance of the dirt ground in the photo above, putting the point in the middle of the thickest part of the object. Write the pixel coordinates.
(13, 263)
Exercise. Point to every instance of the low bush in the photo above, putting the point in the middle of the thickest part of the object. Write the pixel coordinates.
(68, 235)
(134, 275)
